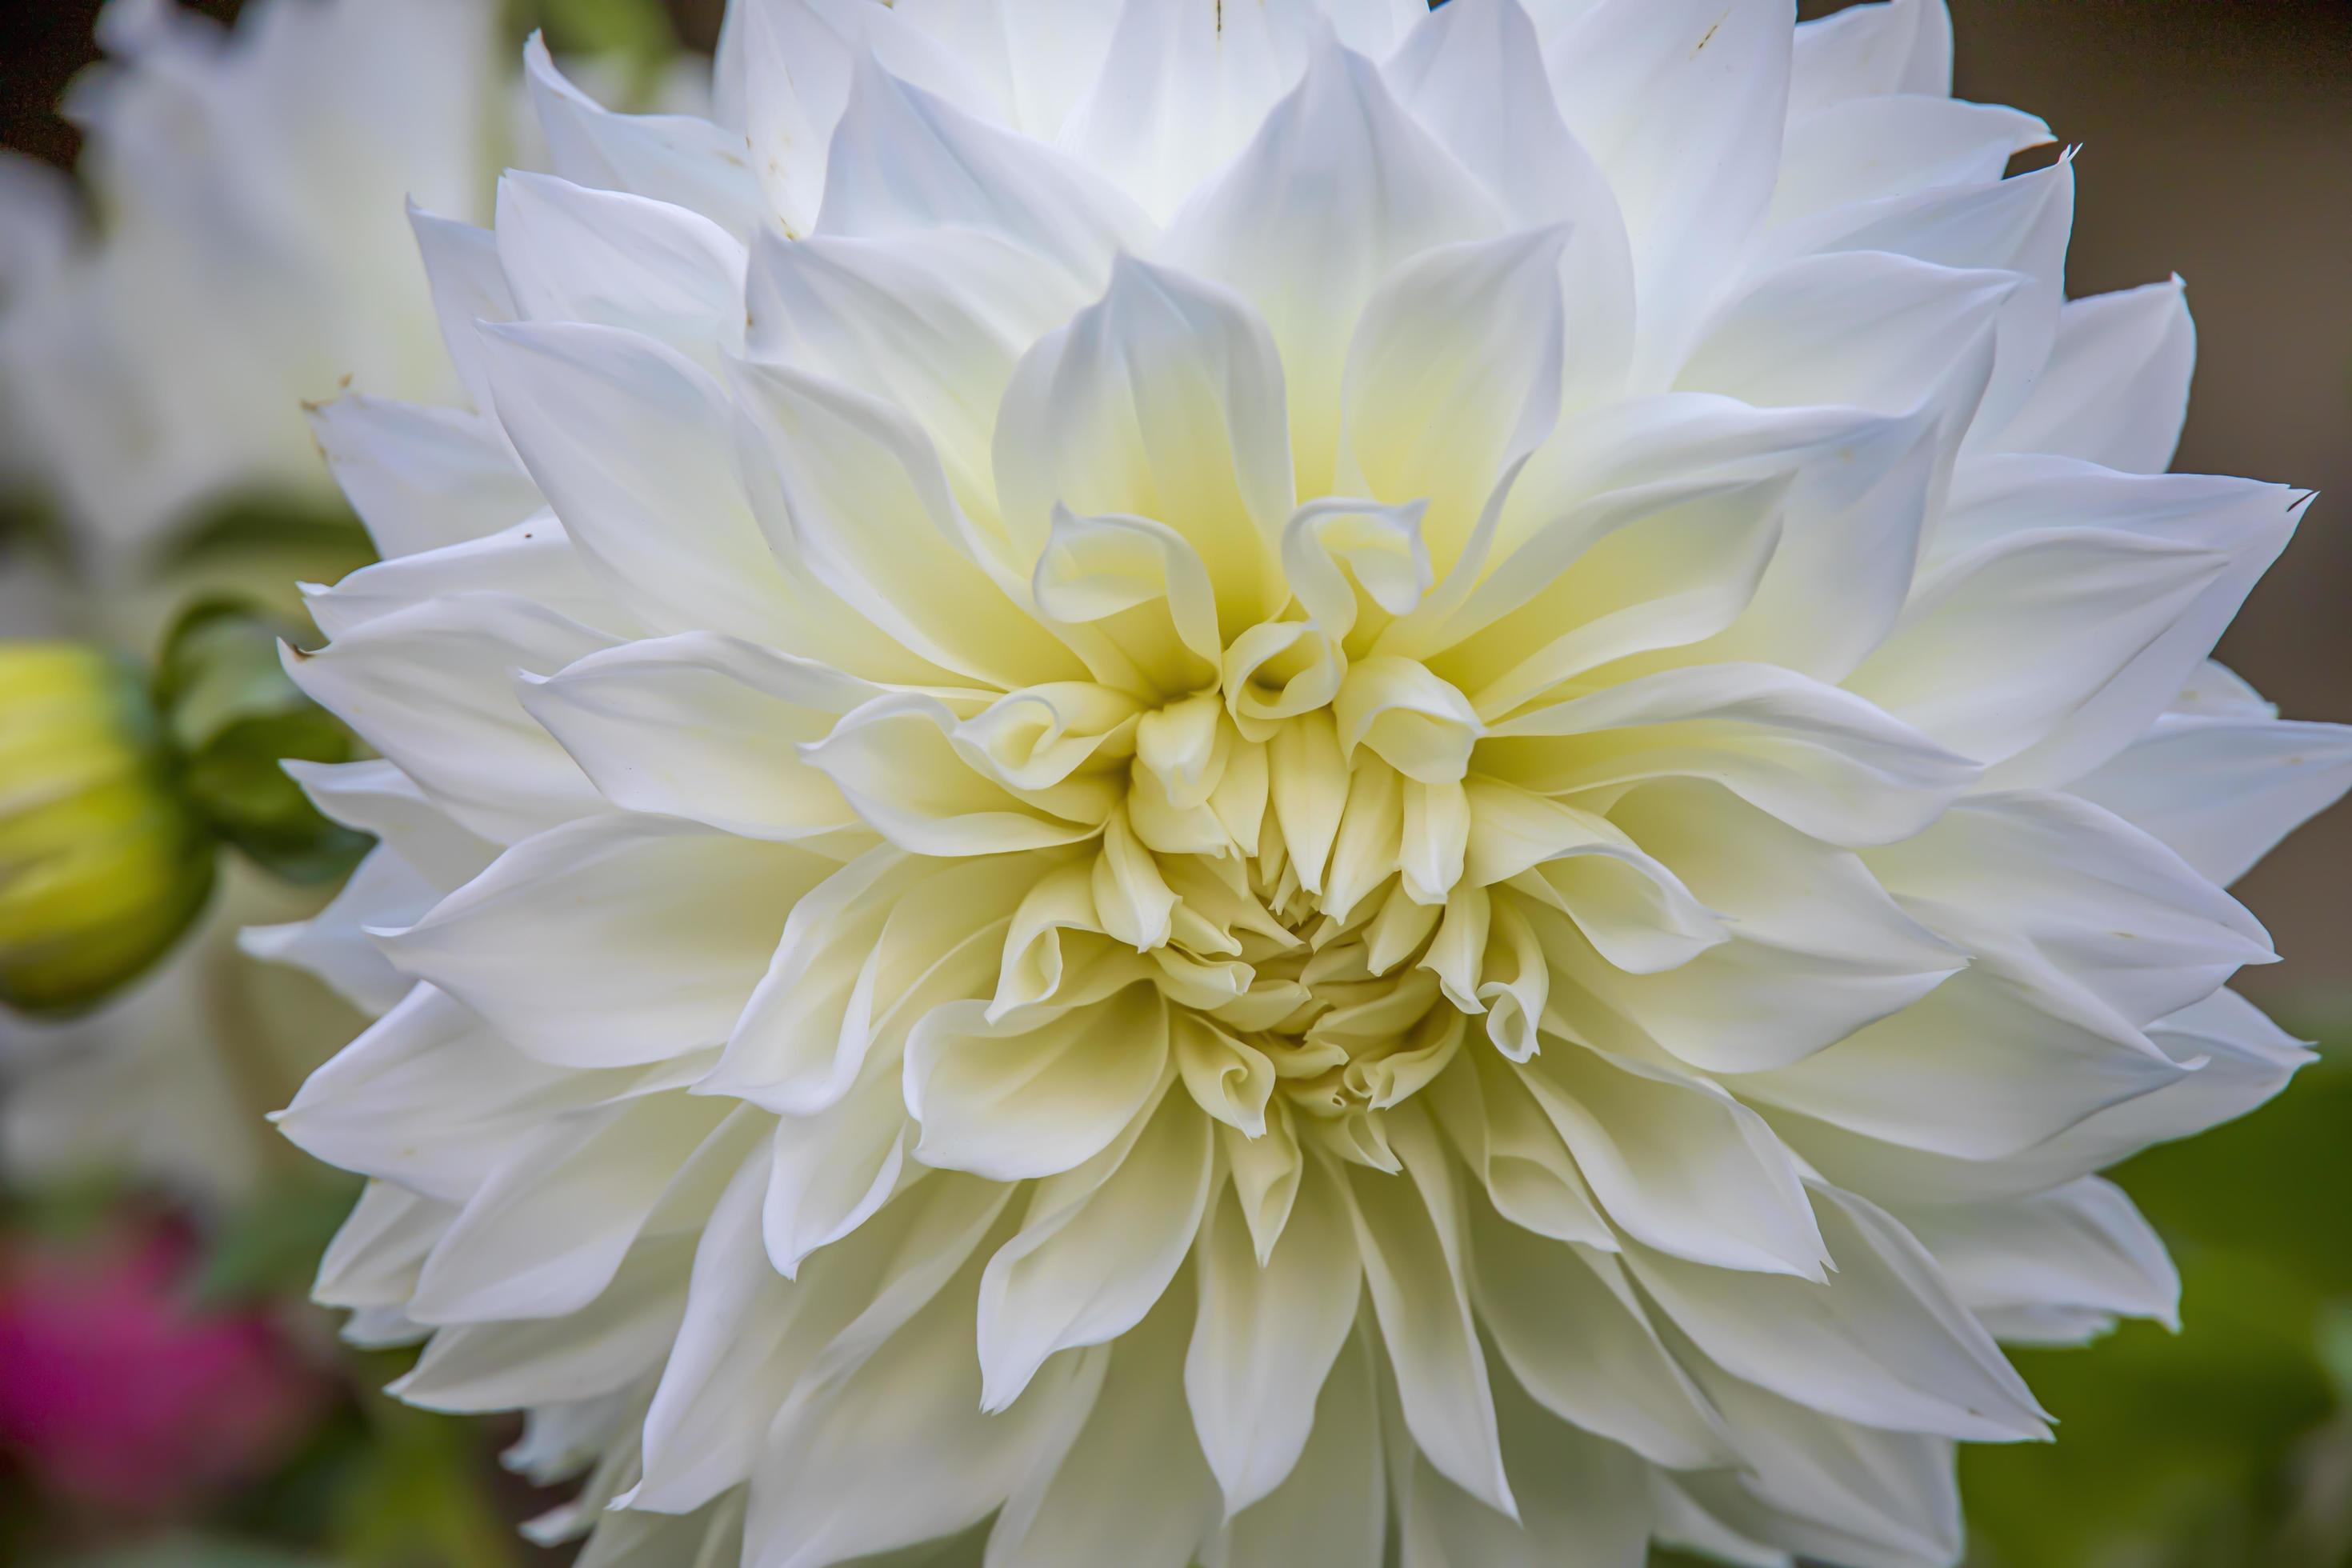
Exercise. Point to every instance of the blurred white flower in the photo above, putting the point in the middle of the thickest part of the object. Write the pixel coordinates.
(1226, 778)
(247, 250)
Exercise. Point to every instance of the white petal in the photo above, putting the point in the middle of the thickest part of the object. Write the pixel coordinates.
(1335, 1503)
(1858, 327)
(1983, 1068)
(1860, 490)
(1579, 1501)
(1339, 188)
(575, 254)
(604, 1347)
(1165, 399)
(1338, 553)
(421, 478)
(1131, 1488)
(871, 515)
(1409, 1226)
(834, 1168)
(932, 323)
(1453, 376)
(372, 1260)
(1180, 91)
(2018, 225)
(1474, 79)
(1098, 1246)
(377, 798)
(2247, 524)
(1678, 1163)
(1866, 51)
(668, 157)
(545, 1234)
(1371, 27)
(2220, 791)
(2117, 387)
(1578, 1340)
(461, 263)
(428, 1097)
(632, 445)
(748, 1334)
(2245, 1058)
(798, 58)
(1268, 1334)
(703, 726)
(2215, 689)
(712, 1538)
(431, 688)
(1829, 1489)
(1679, 1523)
(613, 940)
(1634, 910)
(818, 1495)
(903, 160)
(1268, 1172)
(860, 962)
(1883, 1341)
(2040, 622)
(895, 762)
(1827, 762)
(1045, 52)
(1512, 1146)
(2081, 1248)
(1411, 719)
(1134, 596)
(1031, 1096)
(529, 559)
(2109, 906)
(1868, 148)
(334, 944)
(1657, 566)
(1816, 948)
(1229, 1078)
(1682, 104)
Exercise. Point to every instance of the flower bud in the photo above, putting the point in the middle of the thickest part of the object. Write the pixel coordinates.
(103, 865)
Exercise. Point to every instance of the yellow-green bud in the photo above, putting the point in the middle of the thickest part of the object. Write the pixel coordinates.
(102, 864)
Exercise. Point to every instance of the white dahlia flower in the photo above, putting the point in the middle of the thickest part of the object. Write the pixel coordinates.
(1261, 784)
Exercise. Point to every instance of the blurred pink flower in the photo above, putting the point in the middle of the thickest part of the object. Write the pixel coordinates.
(117, 1394)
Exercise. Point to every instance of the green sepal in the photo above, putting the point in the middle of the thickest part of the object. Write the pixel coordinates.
(236, 718)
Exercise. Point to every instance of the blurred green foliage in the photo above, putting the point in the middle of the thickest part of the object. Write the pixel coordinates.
(2228, 1445)
(638, 35)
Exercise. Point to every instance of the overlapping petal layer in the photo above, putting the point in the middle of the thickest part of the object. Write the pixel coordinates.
(1351, 774)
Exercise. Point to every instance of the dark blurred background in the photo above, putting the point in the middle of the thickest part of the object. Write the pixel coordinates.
(2216, 141)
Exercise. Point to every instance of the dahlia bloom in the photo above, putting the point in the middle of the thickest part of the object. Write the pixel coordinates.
(1257, 784)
